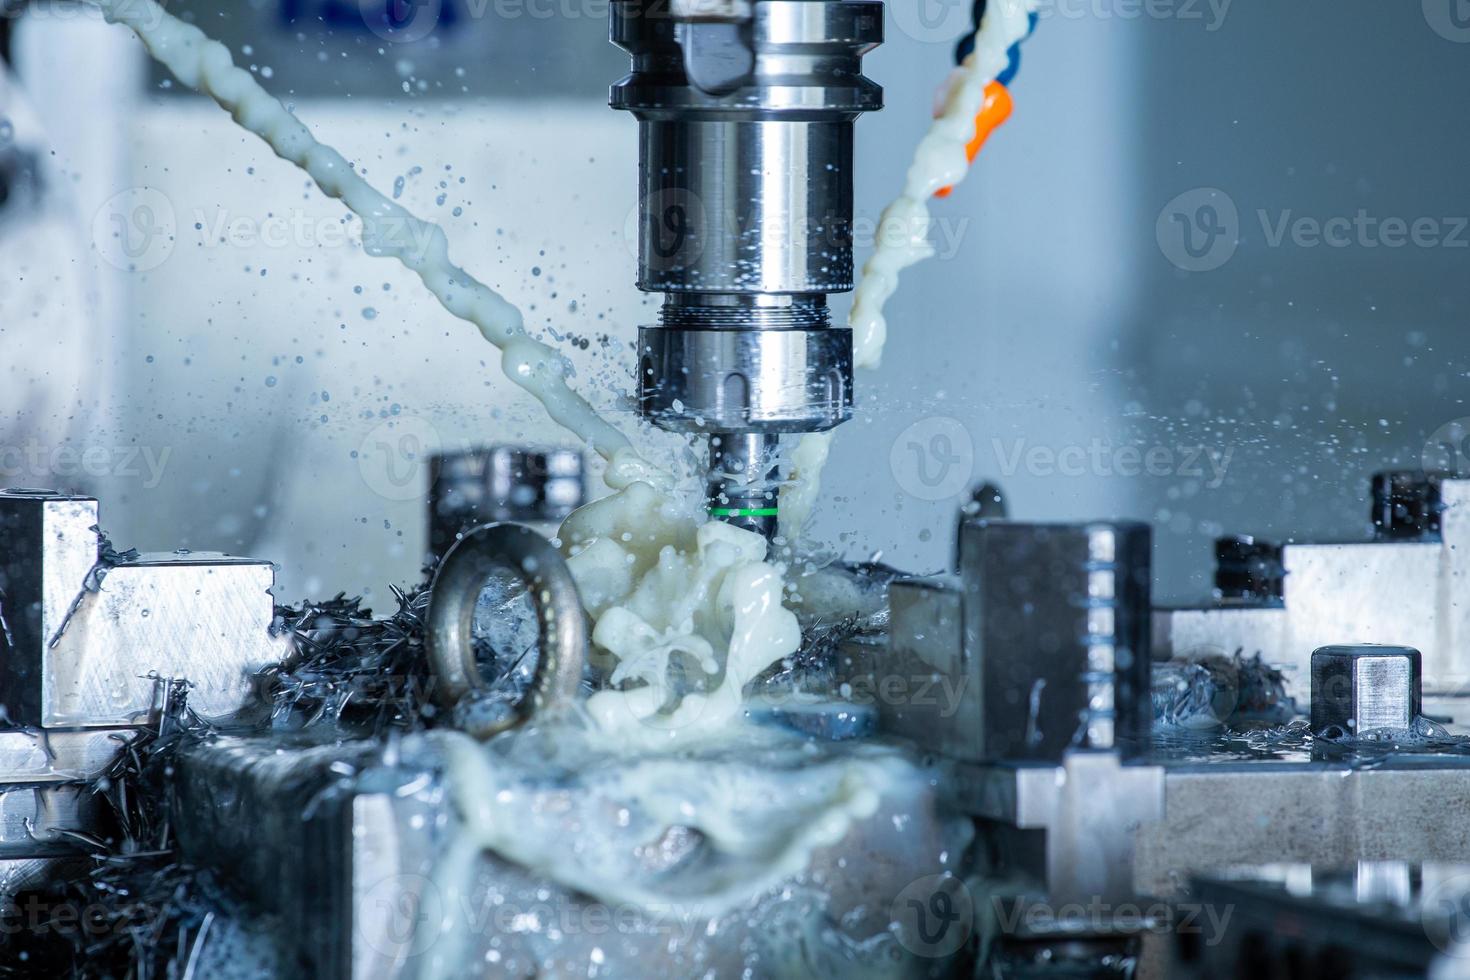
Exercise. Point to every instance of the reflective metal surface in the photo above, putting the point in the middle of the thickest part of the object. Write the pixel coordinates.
(1366, 688)
(727, 381)
(466, 570)
(89, 637)
(745, 114)
(501, 483)
(40, 756)
(330, 835)
(1056, 624)
(353, 841)
(751, 206)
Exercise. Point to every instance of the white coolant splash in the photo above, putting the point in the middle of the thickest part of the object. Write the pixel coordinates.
(671, 596)
(752, 814)
(903, 233)
(389, 230)
(658, 582)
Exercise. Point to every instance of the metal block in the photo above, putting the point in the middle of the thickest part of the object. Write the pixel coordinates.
(341, 837)
(36, 819)
(201, 617)
(87, 641)
(925, 688)
(1384, 592)
(1092, 833)
(502, 483)
(1090, 809)
(324, 834)
(1411, 592)
(35, 756)
(1197, 634)
(1357, 689)
(1220, 816)
(1057, 621)
(48, 548)
(1378, 919)
(47, 802)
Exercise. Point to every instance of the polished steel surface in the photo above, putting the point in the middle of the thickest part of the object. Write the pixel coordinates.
(1361, 689)
(501, 483)
(807, 57)
(39, 756)
(203, 618)
(37, 820)
(746, 206)
(485, 552)
(1056, 632)
(48, 548)
(726, 381)
(745, 114)
(90, 640)
(750, 189)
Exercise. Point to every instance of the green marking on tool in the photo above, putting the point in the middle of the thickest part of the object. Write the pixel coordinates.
(743, 512)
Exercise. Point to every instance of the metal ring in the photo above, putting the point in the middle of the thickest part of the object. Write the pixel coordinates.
(463, 575)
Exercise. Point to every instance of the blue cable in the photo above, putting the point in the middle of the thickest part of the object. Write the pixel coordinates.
(966, 45)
